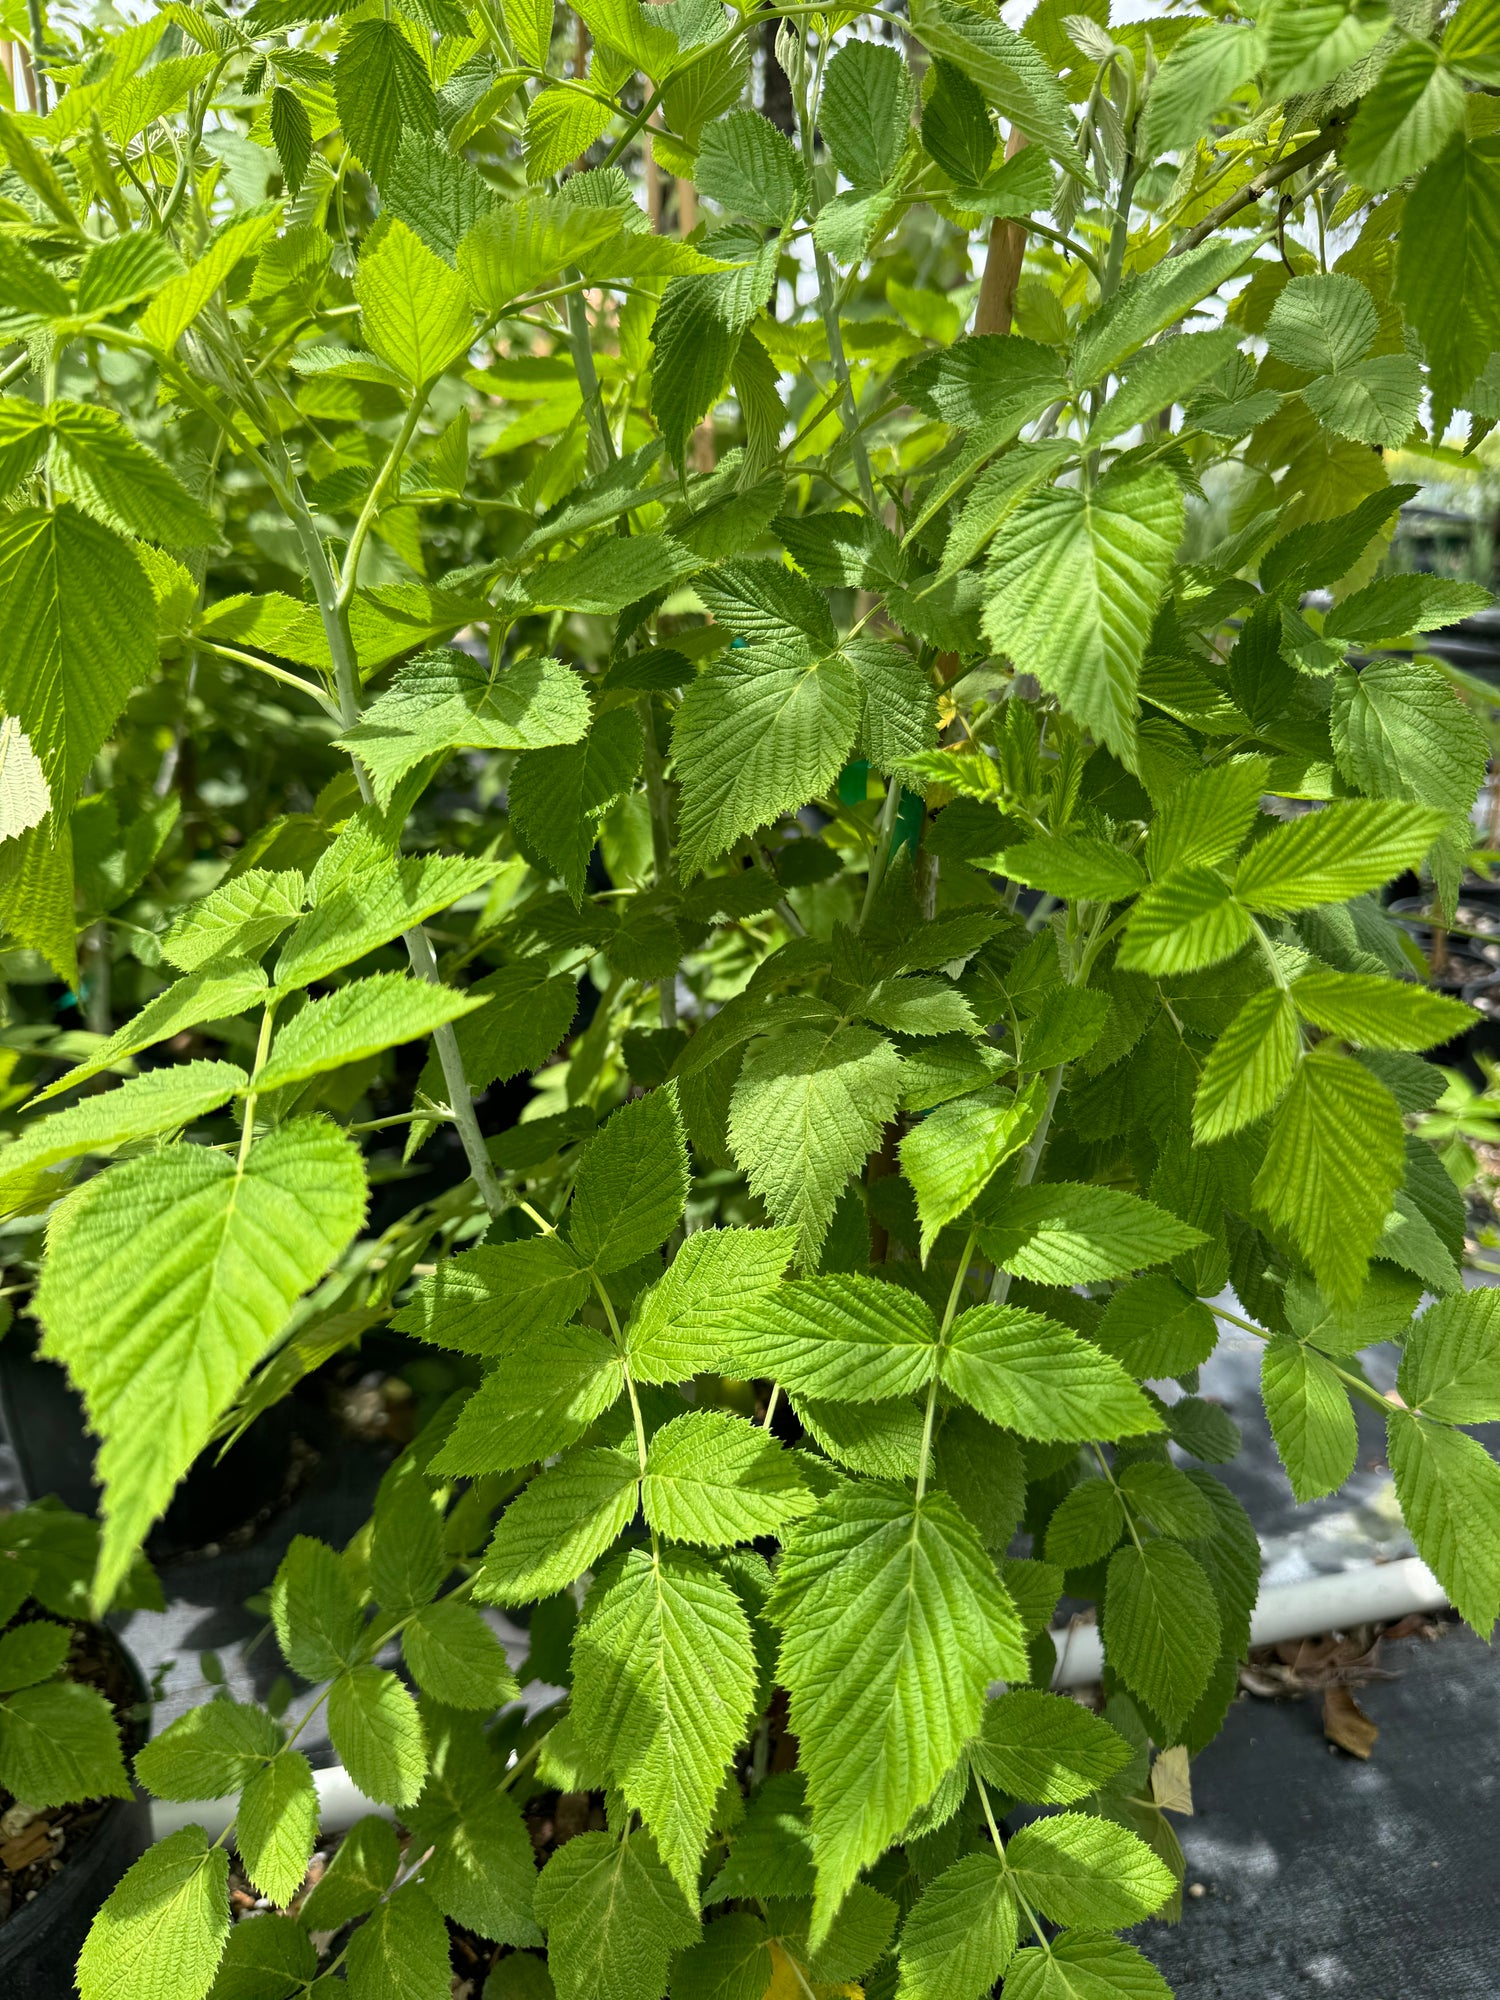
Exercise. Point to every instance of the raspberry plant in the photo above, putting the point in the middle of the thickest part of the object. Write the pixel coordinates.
(845, 642)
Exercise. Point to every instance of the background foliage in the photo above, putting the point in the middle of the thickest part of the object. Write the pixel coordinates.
(612, 761)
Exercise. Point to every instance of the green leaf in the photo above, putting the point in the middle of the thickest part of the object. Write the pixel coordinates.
(363, 1867)
(455, 1657)
(1076, 866)
(1392, 606)
(612, 573)
(714, 1479)
(99, 465)
(163, 1100)
(1046, 1749)
(209, 1752)
(1310, 1415)
(632, 1184)
(59, 1742)
(162, 1929)
(999, 490)
(1069, 1233)
(1446, 274)
(271, 1959)
(522, 244)
(695, 354)
(865, 112)
(1156, 1328)
(439, 197)
(563, 122)
(960, 1934)
(165, 1282)
(748, 166)
(1329, 856)
(955, 1151)
(1334, 1161)
(377, 1732)
(1165, 373)
(1041, 1379)
(807, 1111)
(991, 382)
(1380, 1013)
(1249, 1066)
(486, 1300)
(31, 1653)
(1081, 1965)
(448, 701)
(846, 1338)
(358, 1021)
(894, 1623)
(1449, 1489)
(1321, 324)
(1407, 120)
(1071, 592)
(1161, 1630)
(663, 1680)
(351, 918)
(613, 1917)
(1147, 305)
(558, 796)
(540, 1398)
(628, 25)
(759, 732)
(401, 1951)
(1200, 75)
(683, 1324)
(733, 1962)
(1203, 820)
(1450, 1370)
(481, 1872)
(182, 298)
(382, 90)
(560, 1525)
(315, 1610)
(1014, 76)
(413, 307)
(291, 134)
(1308, 46)
(1086, 1525)
(1168, 1499)
(237, 920)
(1189, 921)
(277, 1825)
(1401, 732)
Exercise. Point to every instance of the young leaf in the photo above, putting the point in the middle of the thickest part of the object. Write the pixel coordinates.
(1250, 1065)
(663, 1680)
(894, 1623)
(315, 1611)
(1378, 1013)
(382, 89)
(1184, 923)
(486, 1300)
(163, 1100)
(358, 1021)
(1082, 1965)
(1401, 732)
(865, 112)
(1077, 1869)
(1329, 856)
(167, 1279)
(1449, 1489)
(540, 1398)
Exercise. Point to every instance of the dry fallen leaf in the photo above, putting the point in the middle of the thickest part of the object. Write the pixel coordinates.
(1171, 1781)
(1345, 1723)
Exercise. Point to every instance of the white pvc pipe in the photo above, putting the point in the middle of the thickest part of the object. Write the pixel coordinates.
(1377, 1592)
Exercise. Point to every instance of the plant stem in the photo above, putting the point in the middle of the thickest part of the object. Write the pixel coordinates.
(1356, 1384)
(661, 832)
(885, 828)
(1327, 141)
(252, 1096)
(581, 346)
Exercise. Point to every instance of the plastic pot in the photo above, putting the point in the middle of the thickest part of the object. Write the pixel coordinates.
(40, 1942)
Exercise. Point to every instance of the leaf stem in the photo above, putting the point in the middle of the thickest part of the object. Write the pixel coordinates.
(1356, 1384)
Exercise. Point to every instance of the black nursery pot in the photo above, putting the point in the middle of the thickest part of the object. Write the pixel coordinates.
(40, 1943)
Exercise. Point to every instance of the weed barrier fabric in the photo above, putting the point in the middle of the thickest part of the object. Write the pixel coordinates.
(1322, 1875)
